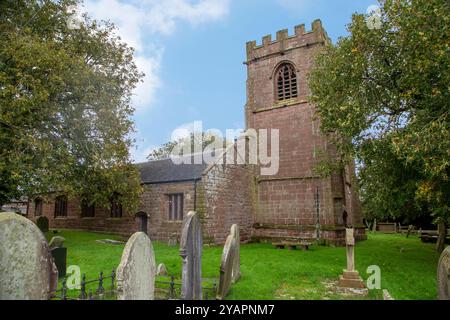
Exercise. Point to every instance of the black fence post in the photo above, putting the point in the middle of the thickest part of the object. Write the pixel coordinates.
(113, 278)
(90, 295)
(172, 288)
(100, 288)
(64, 289)
(83, 287)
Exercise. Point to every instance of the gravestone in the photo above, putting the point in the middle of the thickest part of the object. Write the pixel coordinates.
(27, 270)
(226, 267)
(56, 242)
(42, 223)
(350, 278)
(443, 275)
(191, 253)
(236, 273)
(173, 240)
(136, 271)
(60, 258)
(161, 270)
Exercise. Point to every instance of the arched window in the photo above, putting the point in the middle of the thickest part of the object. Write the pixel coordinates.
(87, 210)
(38, 207)
(286, 82)
(61, 206)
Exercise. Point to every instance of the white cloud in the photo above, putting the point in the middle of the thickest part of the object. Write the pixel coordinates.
(140, 154)
(138, 18)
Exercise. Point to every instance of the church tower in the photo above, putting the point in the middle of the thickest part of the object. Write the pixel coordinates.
(295, 203)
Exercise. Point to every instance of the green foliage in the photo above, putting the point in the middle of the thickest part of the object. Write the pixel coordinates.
(382, 95)
(64, 105)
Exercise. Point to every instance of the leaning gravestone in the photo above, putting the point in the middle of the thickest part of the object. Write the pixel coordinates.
(136, 271)
(226, 267)
(236, 273)
(27, 271)
(191, 252)
(443, 275)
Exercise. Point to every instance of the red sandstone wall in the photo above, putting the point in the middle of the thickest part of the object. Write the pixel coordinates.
(226, 197)
(155, 203)
(102, 222)
(286, 204)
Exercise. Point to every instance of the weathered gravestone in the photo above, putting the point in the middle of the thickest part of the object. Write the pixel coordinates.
(161, 270)
(236, 273)
(350, 278)
(136, 271)
(443, 275)
(226, 267)
(56, 242)
(42, 223)
(191, 252)
(27, 271)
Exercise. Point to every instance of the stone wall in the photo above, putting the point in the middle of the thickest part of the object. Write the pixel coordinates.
(226, 197)
(101, 222)
(155, 203)
(286, 201)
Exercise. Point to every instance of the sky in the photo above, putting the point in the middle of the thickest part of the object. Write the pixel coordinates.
(192, 52)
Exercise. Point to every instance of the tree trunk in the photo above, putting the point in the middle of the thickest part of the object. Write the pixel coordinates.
(442, 234)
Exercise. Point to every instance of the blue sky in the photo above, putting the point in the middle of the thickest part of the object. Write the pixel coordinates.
(192, 54)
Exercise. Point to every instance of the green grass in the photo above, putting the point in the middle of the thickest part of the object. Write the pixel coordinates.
(408, 266)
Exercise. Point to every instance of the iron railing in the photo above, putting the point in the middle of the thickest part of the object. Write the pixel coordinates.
(95, 289)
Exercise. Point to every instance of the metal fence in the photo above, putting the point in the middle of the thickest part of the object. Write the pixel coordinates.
(104, 288)
(171, 290)
(97, 289)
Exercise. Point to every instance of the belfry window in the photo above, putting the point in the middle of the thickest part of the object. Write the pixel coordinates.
(286, 82)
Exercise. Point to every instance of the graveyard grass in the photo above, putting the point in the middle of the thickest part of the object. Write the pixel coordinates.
(408, 266)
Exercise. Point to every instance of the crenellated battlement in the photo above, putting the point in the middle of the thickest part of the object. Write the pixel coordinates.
(284, 41)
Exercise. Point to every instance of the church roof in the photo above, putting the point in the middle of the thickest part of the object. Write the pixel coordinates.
(164, 171)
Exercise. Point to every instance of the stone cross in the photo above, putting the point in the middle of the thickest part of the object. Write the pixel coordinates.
(27, 270)
(236, 272)
(191, 244)
(350, 277)
(226, 267)
(350, 245)
(136, 271)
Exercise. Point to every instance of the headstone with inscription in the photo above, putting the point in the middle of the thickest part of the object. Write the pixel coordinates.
(136, 271)
(191, 253)
(27, 270)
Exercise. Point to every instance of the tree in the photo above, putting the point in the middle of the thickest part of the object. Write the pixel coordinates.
(387, 85)
(65, 104)
(204, 139)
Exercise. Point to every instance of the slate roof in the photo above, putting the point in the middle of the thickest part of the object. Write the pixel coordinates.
(163, 171)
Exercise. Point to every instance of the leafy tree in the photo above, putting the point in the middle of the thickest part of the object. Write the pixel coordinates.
(204, 139)
(64, 104)
(388, 87)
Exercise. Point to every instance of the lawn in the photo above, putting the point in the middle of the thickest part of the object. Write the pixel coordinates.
(408, 266)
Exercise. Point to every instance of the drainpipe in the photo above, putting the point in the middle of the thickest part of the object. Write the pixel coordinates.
(317, 214)
(195, 195)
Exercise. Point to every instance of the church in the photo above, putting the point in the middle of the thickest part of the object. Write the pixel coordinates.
(295, 203)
